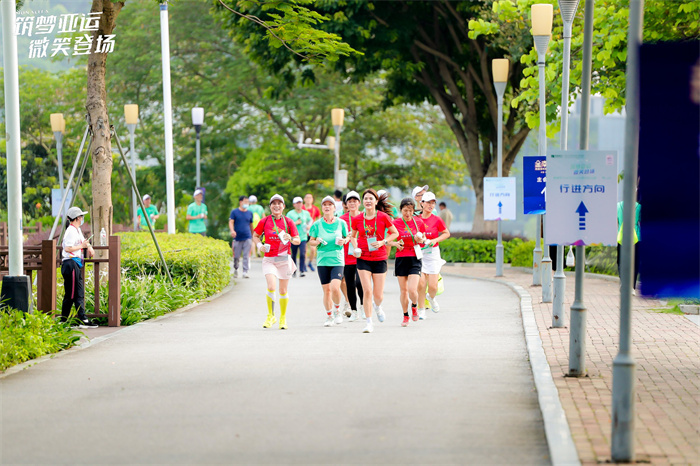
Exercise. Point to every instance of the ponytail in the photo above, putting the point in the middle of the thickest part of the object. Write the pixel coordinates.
(68, 222)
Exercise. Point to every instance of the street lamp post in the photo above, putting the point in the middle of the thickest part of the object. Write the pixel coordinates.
(58, 127)
(197, 122)
(542, 16)
(167, 117)
(337, 117)
(568, 10)
(500, 80)
(131, 115)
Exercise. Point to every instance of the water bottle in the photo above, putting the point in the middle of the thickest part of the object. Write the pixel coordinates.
(103, 237)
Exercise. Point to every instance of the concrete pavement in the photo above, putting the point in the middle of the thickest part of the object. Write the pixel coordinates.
(210, 385)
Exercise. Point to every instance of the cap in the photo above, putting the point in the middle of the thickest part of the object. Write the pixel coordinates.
(252, 198)
(75, 212)
(427, 197)
(297, 199)
(147, 196)
(276, 197)
(418, 189)
(381, 192)
(197, 191)
(352, 195)
(328, 199)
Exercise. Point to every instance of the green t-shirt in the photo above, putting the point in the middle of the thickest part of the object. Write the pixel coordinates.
(151, 210)
(197, 225)
(257, 209)
(331, 254)
(306, 222)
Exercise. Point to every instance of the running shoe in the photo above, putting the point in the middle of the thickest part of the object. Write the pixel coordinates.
(338, 317)
(434, 306)
(380, 313)
(369, 328)
(353, 316)
(421, 314)
(283, 323)
(329, 321)
(86, 323)
(270, 321)
(235, 273)
(415, 314)
(245, 275)
(302, 274)
(405, 321)
(346, 310)
(311, 266)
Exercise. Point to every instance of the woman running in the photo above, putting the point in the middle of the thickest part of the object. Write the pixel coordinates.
(351, 286)
(315, 215)
(369, 241)
(330, 235)
(435, 231)
(280, 233)
(302, 219)
(408, 257)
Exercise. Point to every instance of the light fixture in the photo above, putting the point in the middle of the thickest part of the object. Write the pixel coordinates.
(58, 124)
(131, 114)
(499, 67)
(197, 116)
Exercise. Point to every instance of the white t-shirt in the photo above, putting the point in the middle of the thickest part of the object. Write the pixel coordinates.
(338, 208)
(72, 238)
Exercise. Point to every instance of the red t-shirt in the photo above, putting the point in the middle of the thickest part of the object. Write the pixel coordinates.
(375, 227)
(267, 226)
(415, 225)
(349, 258)
(313, 211)
(433, 227)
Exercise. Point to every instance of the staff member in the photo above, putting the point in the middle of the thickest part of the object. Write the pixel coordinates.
(330, 235)
(435, 231)
(408, 257)
(240, 223)
(71, 268)
(351, 286)
(280, 233)
(369, 241)
(302, 220)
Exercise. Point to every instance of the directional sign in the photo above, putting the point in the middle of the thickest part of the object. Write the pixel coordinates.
(534, 184)
(56, 195)
(582, 198)
(499, 198)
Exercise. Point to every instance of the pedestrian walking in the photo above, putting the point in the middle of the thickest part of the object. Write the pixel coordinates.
(408, 263)
(196, 213)
(351, 285)
(240, 224)
(329, 235)
(446, 215)
(635, 239)
(72, 267)
(417, 195)
(315, 215)
(151, 212)
(302, 219)
(280, 233)
(435, 231)
(369, 240)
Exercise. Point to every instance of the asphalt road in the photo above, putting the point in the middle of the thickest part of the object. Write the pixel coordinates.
(210, 385)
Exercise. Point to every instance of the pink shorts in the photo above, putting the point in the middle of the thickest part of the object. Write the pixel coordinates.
(281, 267)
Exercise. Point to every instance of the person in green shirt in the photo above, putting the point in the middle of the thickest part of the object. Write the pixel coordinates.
(302, 219)
(258, 214)
(330, 234)
(197, 214)
(151, 211)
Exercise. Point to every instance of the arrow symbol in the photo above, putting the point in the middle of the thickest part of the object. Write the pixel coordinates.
(581, 211)
(500, 207)
(544, 191)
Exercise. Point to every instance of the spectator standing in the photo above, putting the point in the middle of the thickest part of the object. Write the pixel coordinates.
(71, 268)
(240, 224)
(197, 214)
(445, 215)
(151, 211)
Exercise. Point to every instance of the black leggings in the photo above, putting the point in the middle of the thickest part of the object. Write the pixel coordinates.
(352, 282)
(74, 289)
(635, 265)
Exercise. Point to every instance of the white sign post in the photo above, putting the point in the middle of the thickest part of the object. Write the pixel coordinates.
(499, 198)
(582, 197)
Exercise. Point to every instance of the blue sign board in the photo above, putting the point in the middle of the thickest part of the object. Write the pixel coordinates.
(534, 184)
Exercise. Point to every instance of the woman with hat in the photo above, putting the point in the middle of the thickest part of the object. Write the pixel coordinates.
(371, 232)
(71, 268)
(417, 195)
(330, 234)
(351, 286)
(302, 220)
(435, 231)
(280, 233)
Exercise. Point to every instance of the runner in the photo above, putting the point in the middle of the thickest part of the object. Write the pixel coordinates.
(279, 232)
(351, 286)
(408, 257)
(435, 231)
(315, 215)
(258, 213)
(417, 195)
(330, 234)
(369, 241)
(302, 220)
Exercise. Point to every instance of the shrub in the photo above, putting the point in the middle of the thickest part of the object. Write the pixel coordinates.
(522, 254)
(599, 259)
(476, 250)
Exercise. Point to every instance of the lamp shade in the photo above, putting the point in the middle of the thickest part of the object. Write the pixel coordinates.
(542, 15)
(58, 125)
(197, 116)
(500, 69)
(337, 116)
(131, 114)
(331, 142)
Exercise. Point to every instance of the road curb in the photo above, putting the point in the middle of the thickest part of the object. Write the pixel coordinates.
(562, 449)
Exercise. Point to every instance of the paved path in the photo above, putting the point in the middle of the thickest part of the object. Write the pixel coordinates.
(666, 348)
(210, 385)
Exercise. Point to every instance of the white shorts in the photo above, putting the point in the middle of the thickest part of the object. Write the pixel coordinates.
(281, 267)
(432, 262)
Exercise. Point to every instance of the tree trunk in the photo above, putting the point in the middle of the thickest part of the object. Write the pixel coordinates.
(96, 105)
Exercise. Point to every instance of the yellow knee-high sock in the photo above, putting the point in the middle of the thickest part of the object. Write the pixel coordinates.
(284, 300)
(271, 302)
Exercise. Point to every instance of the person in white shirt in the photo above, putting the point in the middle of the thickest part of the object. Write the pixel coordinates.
(73, 244)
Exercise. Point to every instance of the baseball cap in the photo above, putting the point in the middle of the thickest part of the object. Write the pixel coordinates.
(276, 197)
(352, 195)
(75, 212)
(297, 199)
(253, 198)
(147, 196)
(197, 191)
(427, 197)
(328, 199)
(418, 189)
(381, 192)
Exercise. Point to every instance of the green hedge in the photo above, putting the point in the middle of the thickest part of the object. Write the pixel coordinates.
(599, 259)
(476, 250)
(203, 263)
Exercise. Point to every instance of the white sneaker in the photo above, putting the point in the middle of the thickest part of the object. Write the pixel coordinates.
(338, 317)
(235, 273)
(434, 306)
(346, 310)
(328, 322)
(353, 316)
(421, 314)
(245, 275)
(380, 313)
(368, 328)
